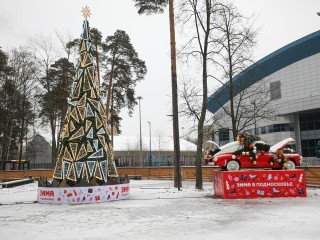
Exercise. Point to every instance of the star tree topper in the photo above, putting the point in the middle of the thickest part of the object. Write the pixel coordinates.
(86, 12)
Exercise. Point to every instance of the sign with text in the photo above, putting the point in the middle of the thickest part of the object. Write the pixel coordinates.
(78, 195)
(259, 183)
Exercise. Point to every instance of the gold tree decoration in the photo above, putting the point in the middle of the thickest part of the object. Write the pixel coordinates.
(86, 12)
(85, 156)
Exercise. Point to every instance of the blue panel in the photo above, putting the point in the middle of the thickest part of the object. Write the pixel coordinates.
(283, 57)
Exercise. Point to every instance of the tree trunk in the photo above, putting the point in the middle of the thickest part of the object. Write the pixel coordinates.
(21, 134)
(175, 118)
(111, 117)
(233, 120)
(53, 138)
(8, 130)
(9, 142)
(199, 182)
(1, 159)
(4, 143)
(21, 144)
(231, 91)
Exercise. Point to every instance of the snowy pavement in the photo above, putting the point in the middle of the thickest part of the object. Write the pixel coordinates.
(156, 210)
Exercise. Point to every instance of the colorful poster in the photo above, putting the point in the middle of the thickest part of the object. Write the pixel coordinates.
(79, 195)
(259, 183)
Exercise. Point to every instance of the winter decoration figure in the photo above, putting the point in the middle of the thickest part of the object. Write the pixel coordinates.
(247, 140)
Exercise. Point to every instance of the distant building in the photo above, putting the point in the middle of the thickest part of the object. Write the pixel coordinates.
(38, 153)
(127, 151)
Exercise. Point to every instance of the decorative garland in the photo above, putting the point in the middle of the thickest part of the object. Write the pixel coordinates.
(283, 159)
(247, 140)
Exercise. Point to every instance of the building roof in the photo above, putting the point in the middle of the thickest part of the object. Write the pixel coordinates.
(283, 57)
(132, 143)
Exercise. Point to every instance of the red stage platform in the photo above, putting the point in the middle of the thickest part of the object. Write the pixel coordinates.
(259, 183)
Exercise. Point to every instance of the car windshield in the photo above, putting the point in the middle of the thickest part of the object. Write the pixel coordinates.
(230, 147)
(281, 144)
(213, 146)
(289, 148)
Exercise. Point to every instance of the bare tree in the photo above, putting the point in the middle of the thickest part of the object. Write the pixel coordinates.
(200, 16)
(251, 106)
(21, 62)
(67, 43)
(45, 55)
(190, 94)
(234, 39)
(17, 92)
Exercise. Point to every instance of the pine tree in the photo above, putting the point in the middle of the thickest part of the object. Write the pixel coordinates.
(85, 155)
(154, 7)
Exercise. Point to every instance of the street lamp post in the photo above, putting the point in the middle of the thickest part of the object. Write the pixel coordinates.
(150, 143)
(139, 98)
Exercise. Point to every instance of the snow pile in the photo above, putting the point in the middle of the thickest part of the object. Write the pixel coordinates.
(156, 210)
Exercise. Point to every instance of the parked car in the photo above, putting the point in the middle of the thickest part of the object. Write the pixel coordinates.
(232, 156)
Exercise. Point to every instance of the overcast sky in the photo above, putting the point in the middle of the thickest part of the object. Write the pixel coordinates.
(281, 22)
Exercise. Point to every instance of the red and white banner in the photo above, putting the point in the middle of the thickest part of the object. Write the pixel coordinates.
(78, 195)
(259, 183)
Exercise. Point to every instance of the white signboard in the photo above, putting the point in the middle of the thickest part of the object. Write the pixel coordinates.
(78, 195)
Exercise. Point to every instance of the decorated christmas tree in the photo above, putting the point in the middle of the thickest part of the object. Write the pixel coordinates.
(85, 156)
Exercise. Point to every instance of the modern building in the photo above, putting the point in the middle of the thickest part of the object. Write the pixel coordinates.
(292, 74)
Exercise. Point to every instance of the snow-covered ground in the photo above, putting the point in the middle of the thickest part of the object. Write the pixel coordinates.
(156, 210)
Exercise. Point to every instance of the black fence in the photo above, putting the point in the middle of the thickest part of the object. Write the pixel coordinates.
(34, 166)
(156, 161)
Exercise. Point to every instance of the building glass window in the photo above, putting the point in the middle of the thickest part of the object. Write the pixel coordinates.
(271, 128)
(310, 136)
(223, 136)
(282, 127)
(303, 126)
(291, 127)
(275, 90)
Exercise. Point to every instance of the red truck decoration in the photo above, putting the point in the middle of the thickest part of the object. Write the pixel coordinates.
(250, 152)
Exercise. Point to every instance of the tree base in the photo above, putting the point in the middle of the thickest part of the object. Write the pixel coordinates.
(79, 195)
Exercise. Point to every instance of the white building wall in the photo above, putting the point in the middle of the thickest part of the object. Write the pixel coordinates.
(300, 85)
(300, 91)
